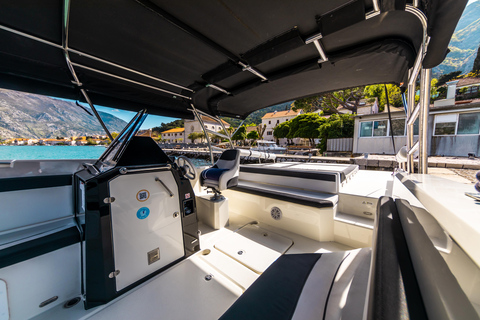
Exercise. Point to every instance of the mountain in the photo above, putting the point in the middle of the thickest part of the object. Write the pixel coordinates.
(25, 115)
(464, 43)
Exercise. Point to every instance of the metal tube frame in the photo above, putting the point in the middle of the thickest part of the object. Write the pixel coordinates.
(413, 75)
(227, 135)
(423, 123)
(83, 54)
(66, 19)
(195, 112)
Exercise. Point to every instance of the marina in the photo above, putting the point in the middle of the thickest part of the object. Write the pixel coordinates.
(142, 232)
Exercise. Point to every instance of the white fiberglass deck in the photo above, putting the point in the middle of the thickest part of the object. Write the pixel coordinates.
(182, 292)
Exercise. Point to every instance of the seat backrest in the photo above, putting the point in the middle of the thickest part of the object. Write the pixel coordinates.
(229, 159)
(409, 278)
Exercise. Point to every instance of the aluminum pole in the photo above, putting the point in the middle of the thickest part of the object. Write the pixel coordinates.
(199, 117)
(410, 104)
(425, 76)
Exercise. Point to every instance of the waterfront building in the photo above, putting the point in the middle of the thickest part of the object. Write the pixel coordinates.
(272, 119)
(173, 135)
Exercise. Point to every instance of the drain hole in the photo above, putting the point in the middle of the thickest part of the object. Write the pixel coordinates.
(72, 302)
(206, 252)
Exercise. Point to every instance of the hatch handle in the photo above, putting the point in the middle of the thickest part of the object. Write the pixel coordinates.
(165, 186)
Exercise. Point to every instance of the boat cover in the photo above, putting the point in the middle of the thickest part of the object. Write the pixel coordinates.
(226, 57)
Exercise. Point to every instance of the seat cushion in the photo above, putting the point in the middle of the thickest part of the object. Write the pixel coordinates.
(212, 173)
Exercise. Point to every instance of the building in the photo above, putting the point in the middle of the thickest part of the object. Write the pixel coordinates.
(272, 119)
(194, 126)
(453, 128)
(173, 135)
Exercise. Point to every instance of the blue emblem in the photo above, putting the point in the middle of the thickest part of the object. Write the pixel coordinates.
(143, 212)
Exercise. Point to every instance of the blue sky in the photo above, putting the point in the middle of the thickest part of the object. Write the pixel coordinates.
(150, 122)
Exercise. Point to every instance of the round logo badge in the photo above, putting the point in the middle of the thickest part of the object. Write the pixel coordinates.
(142, 213)
(143, 195)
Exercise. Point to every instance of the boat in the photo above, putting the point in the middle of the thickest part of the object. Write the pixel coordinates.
(269, 147)
(136, 234)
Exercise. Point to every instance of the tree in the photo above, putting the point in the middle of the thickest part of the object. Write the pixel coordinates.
(194, 136)
(282, 130)
(241, 134)
(378, 91)
(261, 130)
(447, 77)
(307, 126)
(253, 135)
(330, 101)
(476, 62)
(336, 126)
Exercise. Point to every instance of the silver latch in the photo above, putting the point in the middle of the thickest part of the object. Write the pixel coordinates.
(109, 200)
(114, 274)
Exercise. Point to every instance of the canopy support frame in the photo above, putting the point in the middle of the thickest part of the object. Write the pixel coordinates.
(66, 20)
(423, 105)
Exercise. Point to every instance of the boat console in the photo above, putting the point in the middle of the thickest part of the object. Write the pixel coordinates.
(140, 217)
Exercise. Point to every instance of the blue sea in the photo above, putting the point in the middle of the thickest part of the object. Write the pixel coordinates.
(50, 152)
(61, 152)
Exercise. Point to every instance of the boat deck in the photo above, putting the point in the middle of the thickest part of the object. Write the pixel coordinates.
(184, 291)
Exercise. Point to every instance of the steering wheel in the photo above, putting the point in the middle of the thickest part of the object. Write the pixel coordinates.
(187, 167)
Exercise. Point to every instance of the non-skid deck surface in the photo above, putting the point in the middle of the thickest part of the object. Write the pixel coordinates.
(180, 293)
(254, 247)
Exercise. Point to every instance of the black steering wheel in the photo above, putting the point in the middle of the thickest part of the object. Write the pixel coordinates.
(187, 167)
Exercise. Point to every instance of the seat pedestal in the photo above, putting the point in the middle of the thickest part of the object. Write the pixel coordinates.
(213, 213)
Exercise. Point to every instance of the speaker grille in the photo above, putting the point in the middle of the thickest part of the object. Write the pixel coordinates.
(276, 213)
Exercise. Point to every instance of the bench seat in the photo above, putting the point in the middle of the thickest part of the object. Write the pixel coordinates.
(307, 286)
(298, 196)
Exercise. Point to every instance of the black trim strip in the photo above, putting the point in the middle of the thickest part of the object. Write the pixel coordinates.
(306, 201)
(289, 173)
(34, 248)
(36, 182)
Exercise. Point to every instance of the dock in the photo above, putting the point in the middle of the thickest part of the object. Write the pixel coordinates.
(372, 162)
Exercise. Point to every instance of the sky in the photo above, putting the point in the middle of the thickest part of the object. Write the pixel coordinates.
(150, 122)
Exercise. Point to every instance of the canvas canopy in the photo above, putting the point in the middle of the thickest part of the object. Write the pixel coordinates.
(225, 57)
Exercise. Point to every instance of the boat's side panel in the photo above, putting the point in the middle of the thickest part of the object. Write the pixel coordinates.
(29, 207)
(33, 281)
(311, 222)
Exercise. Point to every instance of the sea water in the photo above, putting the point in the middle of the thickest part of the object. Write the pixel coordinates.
(50, 152)
(61, 152)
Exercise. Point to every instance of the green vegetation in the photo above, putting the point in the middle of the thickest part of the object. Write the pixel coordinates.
(167, 126)
(312, 126)
(255, 117)
(330, 101)
(195, 135)
(476, 62)
(241, 134)
(378, 92)
(253, 135)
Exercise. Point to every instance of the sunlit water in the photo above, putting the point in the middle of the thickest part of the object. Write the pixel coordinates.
(61, 152)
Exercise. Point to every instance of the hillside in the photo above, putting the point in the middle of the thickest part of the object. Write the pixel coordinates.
(464, 43)
(24, 115)
(256, 116)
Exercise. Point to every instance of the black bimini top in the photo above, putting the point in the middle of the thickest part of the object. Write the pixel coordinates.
(226, 57)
